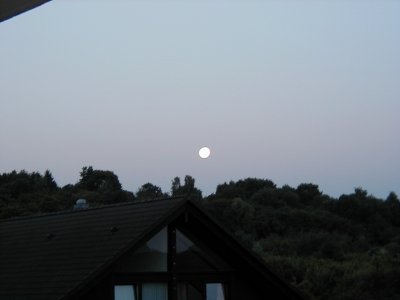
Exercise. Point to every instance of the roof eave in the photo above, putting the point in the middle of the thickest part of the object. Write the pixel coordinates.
(10, 9)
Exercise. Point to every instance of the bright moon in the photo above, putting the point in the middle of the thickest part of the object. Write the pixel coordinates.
(204, 152)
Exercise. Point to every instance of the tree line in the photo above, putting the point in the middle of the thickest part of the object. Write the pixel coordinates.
(329, 248)
(23, 193)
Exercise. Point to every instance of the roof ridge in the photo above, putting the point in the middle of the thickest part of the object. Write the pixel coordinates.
(80, 210)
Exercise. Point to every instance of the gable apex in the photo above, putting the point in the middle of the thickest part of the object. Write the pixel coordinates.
(65, 255)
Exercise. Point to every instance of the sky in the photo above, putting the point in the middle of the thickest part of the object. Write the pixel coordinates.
(291, 91)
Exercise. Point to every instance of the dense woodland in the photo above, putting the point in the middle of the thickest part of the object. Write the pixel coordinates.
(345, 248)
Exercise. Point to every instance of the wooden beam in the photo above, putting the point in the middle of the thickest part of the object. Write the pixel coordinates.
(11, 8)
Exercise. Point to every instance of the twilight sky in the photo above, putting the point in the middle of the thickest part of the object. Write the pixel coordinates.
(292, 91)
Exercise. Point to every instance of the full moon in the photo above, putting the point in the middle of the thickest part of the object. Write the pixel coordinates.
(204, 152)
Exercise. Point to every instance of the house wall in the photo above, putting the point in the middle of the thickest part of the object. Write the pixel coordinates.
(241, 285)
(239, 289)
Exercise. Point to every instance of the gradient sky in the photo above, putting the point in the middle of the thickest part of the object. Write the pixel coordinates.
(292, 91)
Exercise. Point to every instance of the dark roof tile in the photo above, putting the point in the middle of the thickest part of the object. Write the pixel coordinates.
(32, 266)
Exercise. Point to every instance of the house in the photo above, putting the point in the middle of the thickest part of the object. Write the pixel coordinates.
(153, 250)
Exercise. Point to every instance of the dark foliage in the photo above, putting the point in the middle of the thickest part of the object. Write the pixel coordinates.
(187, 190)
(346, 248)
(23, 193)
(150, 191)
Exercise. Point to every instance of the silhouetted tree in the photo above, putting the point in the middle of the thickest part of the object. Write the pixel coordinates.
(98, 180)
(243, 188)
(149, 191)
(308, 193)
(393, 206)
(49, 181)
(175, 186)
(187, 190)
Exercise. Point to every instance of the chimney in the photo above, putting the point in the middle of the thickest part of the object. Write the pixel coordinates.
(81, 204)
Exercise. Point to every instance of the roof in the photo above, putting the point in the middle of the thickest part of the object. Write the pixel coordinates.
(49, 256)
(58, 256)
(11, 8)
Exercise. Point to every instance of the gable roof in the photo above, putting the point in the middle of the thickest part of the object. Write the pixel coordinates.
(11, 8)
(50, 256)
(58, 256)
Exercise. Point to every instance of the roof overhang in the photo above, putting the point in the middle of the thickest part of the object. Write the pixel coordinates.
(11, 8)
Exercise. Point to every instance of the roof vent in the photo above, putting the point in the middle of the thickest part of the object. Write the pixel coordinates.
(81, 203)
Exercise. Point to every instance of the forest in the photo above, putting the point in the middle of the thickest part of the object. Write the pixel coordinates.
(329, 248)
